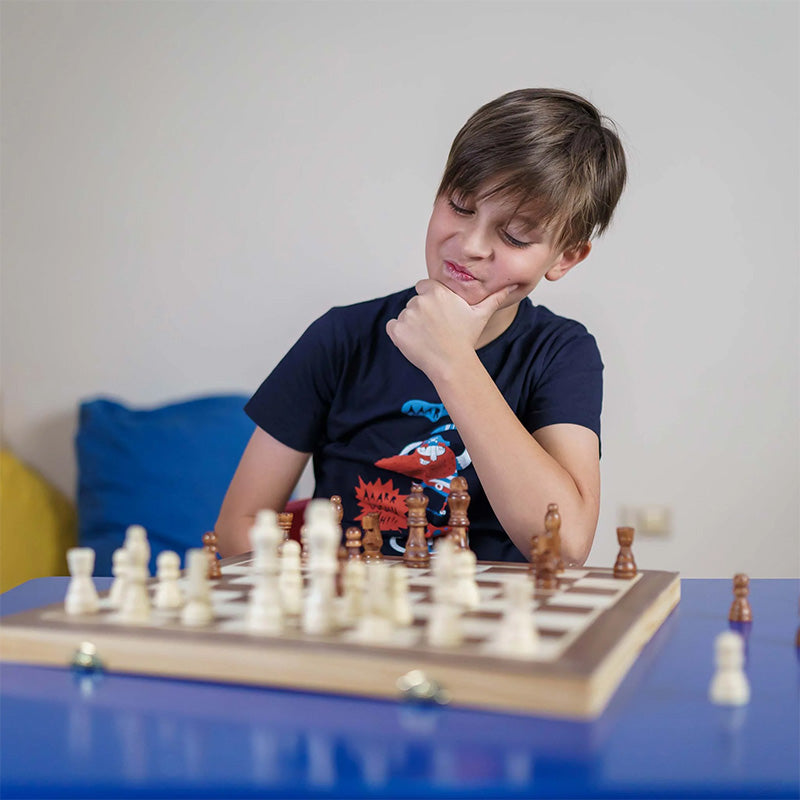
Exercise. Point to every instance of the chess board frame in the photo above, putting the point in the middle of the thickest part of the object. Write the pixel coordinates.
(578, 684)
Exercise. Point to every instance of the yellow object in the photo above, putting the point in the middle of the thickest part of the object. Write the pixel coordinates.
(38, 525)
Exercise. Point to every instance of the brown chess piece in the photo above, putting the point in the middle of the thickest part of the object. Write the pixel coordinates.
(341, 558)
(285, 519)
(546, 577)
(625, 566)
(210, 546)
(352, 544)
(416, 554)
(338, 508)
(740, 608)
(373, 539)
(458, 502)
(552, 524)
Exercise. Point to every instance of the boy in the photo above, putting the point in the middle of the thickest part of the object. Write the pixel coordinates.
(461, 375)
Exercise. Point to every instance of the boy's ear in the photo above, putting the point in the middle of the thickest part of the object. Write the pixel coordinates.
(569, 258)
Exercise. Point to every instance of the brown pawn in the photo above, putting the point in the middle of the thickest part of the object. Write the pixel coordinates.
(740, 608)
(338, 508)
(285, 519)
(353, 544)
(458, 502)
(373, 539)
(625, 566)
(552, 524)
(416, 554)
(546, 577)
(210, 546)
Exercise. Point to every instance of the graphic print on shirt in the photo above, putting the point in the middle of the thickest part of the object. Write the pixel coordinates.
(430, 461)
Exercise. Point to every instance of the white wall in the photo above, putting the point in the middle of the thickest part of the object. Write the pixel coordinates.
(186, 185)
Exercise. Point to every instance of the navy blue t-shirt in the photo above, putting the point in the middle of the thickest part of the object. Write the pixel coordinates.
(375, 425)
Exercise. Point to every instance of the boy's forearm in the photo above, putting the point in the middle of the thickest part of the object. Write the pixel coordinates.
(519, 476)
(233, 535)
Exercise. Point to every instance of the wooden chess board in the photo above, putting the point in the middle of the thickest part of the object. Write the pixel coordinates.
(591, 630)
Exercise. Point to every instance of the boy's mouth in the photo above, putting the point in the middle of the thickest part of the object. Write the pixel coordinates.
(458, 272)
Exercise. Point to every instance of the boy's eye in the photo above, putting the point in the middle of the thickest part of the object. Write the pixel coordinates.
(515, 242)
(459, 209)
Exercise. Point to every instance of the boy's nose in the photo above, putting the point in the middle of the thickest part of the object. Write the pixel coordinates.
(476, 242)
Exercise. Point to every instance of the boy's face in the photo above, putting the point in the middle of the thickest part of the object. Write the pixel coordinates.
(476, 247)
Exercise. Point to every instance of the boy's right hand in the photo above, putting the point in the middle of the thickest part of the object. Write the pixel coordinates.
(438, 329)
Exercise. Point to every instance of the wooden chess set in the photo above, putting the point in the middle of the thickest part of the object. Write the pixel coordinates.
(314, 615)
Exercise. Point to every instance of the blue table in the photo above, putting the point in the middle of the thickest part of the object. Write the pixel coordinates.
(62, 735)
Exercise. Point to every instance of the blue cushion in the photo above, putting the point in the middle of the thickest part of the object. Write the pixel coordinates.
(165, 468)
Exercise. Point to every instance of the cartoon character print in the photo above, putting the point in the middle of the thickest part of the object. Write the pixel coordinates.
(431, 462)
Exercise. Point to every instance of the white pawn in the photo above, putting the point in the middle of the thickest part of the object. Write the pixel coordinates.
(136, 607)
(168, 592)
(354, 581)
(81, 597)
(375, 625)
(197, 611)
(398, 589)
(729, 686)
(517, 636)
(290, 581)
(136, 542)
(444, 624)
(466, 588)
(318, 609)
(119, 569)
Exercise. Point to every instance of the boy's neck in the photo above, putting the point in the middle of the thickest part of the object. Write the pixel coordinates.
(497, 325)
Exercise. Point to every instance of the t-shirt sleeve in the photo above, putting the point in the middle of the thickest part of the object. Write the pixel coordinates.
(293, 402)
(570, 387)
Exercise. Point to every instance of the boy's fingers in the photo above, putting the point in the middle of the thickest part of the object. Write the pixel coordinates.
(493, 302)
(425, 285)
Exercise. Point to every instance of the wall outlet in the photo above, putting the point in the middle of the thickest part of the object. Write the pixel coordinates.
(648, 520)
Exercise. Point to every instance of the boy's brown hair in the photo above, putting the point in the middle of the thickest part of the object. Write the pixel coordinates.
(549, 151)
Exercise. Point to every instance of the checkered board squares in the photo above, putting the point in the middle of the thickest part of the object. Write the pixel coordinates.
(560, 615)
(591, 629)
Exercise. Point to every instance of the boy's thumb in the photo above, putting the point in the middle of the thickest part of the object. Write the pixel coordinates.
(495, 300)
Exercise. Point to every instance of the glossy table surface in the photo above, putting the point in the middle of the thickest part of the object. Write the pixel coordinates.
(113, 735)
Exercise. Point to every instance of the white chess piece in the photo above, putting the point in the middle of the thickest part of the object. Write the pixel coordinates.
(444, 624)
(81, 597)
(136, 542)
(375, 625)
(290, 580)
(466, 588)
(198, 610)
(398, 590)
(354, 581)
(168, 592)
(119, 567)
(729, 685)
(136, 608)
(265, 611)
(323, 536)
(517, 636)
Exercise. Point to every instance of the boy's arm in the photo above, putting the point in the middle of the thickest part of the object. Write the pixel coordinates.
(520, 472)
(267, 473)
